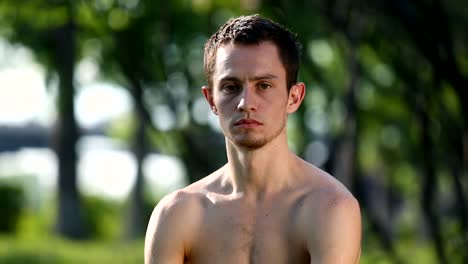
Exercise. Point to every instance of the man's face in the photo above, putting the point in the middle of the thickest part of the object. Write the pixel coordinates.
(249, 93)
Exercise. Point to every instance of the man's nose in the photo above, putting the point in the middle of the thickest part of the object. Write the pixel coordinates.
(247, 102)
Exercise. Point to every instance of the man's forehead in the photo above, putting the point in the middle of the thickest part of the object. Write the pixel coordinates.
(230, 47)
(229, 55)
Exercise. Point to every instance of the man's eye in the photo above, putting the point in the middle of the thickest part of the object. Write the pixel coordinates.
(264, 86)
(230, 87)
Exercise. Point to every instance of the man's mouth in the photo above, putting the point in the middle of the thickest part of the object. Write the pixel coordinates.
(247, 122)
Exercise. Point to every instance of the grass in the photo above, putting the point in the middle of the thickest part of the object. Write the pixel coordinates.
(53, 250)
(35, 242)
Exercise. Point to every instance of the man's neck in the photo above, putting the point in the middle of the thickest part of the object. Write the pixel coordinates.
(259, 171)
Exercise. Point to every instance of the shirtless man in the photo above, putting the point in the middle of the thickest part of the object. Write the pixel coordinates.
(266, 205)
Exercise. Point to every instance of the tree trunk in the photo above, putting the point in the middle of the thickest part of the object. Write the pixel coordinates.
(69, 217)
(136, 224)
(429, 189)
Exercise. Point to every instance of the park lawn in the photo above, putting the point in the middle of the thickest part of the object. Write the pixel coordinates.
(34, 240)
(54, 250)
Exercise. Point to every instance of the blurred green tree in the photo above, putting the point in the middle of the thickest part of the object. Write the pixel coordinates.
(49, 30)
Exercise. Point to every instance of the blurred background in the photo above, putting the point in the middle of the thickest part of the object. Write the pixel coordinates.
(101, 115)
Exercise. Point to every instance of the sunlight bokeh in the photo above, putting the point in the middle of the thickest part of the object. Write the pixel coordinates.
(105, 168)
(23, 95)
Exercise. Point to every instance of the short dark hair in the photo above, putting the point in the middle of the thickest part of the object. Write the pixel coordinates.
(254, 29)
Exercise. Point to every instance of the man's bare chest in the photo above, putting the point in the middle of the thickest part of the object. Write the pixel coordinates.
(230, 233)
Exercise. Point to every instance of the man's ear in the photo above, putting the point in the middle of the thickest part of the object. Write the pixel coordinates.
(296, 95)
(208, 93)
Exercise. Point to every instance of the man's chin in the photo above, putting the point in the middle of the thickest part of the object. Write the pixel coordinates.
(250, 143)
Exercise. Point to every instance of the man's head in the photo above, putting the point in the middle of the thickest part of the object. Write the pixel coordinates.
(249, 30)
(251, 65)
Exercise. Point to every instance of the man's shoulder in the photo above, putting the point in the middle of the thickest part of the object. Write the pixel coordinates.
(330, 218)
(190, 197)
(176, 200)
(324, 193)
(172, 210)
(171, 213)
(174, 221)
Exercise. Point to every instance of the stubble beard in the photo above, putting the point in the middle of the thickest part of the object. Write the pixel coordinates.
(247, 140)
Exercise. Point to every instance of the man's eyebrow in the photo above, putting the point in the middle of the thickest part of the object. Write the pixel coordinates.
(229, 78)
(264, 77)
(254, 78)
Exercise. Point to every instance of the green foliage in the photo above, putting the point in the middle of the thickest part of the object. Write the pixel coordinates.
(122, 128)
(11, 206)
(102, 218)
(52, 250)
(35, 242)
(105, 218)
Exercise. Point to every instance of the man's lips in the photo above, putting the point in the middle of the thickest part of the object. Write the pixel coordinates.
(248, 123)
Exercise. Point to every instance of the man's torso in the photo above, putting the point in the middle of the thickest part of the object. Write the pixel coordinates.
(270, 229)
(242, 231)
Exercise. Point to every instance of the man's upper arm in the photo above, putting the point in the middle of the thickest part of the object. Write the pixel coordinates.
(336, 238)
(167, 232)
